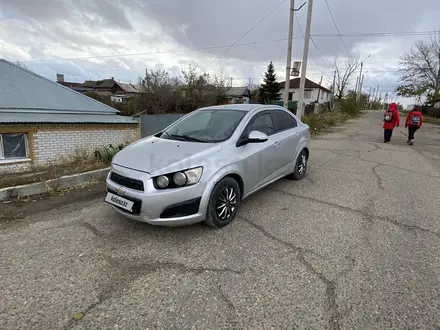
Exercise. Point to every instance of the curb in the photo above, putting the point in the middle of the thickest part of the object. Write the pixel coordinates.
(64, 182)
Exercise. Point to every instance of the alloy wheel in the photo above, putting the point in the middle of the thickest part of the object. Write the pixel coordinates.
(226, 203)
(302, 165)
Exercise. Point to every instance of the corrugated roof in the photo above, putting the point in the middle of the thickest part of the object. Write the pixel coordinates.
(18, 117)
(23, 89)
(236, 91)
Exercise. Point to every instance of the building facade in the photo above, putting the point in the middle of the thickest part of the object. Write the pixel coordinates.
(42, 122)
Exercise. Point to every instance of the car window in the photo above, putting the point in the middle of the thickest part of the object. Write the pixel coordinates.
(197, 123)
(283, 121)
(205, 126)
(262, 123)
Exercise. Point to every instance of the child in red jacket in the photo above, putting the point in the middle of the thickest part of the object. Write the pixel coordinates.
(413, 121)
(391, 119)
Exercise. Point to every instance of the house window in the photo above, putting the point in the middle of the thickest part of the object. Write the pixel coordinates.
(307, 94)
(290, 96)
(13, 146)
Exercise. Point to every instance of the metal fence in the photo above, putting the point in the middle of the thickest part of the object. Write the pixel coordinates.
(151, 124)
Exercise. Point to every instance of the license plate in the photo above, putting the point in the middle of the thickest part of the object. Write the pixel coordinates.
(119, 201)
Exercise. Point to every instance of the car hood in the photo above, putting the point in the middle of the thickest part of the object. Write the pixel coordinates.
(159, 156)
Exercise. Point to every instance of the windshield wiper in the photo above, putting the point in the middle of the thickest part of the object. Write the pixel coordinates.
(186, 138)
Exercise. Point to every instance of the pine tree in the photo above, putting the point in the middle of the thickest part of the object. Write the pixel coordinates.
(270, 90)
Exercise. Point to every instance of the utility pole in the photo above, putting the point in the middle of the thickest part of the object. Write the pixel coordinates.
(373, 99)
(333, 90)
(319, 90)
(302, 81)
(385, 101)
(231, 81)
(360, 77)
(358, 91)
(356, 88)
(289, 55)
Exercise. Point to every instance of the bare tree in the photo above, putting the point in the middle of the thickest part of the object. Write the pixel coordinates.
(21, 65)
(344, 74)
(420, 70)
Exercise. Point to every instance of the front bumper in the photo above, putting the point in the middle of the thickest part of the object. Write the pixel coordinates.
(168, 207)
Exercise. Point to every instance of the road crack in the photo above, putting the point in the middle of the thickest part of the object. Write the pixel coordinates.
(334, 315)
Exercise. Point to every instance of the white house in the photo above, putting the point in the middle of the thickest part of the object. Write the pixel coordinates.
(313, 92)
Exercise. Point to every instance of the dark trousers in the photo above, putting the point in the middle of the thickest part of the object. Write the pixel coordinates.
(411, 131)
(387, 133)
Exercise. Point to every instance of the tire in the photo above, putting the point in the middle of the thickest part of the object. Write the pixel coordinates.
(300, 166)
(224, 190)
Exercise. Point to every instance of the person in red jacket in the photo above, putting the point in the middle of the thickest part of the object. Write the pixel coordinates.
(413, 121)
(391, 119)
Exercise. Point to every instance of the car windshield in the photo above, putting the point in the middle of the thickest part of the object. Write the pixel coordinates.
(208, 126)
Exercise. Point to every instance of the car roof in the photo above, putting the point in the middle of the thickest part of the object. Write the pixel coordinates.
(244, 107)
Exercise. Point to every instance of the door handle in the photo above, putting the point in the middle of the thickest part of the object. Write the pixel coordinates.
(276, 144)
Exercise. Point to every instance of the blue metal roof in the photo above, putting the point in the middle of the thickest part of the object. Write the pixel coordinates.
(60, 118)
(27, 91)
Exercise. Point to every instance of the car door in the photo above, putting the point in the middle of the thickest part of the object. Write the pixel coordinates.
(257, 159)
(286, 131)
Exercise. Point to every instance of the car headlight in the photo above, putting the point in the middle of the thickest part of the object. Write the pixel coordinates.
(179, 179)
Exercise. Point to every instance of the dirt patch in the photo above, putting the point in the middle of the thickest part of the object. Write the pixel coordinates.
(20, 209)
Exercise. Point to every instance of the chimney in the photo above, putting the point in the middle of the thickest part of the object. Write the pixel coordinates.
(113, 78)
(60, 77)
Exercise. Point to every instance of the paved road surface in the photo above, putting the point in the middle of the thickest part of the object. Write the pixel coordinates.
(354, 246)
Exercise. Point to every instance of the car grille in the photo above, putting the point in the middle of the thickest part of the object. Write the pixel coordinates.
(127, 182)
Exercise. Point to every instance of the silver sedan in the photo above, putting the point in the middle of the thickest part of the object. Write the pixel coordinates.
(202, 166)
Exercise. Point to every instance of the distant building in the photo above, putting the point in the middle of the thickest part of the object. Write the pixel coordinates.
(234, 95)
(115, 90)
(313, 92)
(41, 120)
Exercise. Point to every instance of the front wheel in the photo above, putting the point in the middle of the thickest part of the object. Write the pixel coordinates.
(223, 203)
(300, 166)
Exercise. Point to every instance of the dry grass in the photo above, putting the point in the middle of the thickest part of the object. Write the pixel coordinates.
(321, 122)
(430, 120)
(78, 162)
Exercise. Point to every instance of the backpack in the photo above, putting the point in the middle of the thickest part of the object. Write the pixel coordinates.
(415, 120)
(388, 116)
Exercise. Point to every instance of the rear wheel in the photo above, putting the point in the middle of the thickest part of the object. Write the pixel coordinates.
(300, 166)
(223, 203)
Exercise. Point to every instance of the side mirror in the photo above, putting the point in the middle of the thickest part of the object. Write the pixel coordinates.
(257, 137)
(253, 137)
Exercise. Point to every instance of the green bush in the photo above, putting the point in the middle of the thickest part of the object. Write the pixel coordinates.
(350, 106)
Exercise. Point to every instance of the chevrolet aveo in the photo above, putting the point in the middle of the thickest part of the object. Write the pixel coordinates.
(202, 166)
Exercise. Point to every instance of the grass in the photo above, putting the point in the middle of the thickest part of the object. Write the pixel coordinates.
(321, 122)
(431, 120)
(78, 162)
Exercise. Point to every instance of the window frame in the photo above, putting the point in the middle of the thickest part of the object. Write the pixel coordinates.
(250, 122)
(308, 91)
(3, 159)
(294, 121)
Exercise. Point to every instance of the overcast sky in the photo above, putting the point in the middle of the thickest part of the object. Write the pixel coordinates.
(36, 30)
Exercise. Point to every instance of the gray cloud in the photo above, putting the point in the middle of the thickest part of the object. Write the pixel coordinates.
(47, 28)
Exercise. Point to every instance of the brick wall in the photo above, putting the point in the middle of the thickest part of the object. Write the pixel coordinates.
(48, 143)
(15, 167)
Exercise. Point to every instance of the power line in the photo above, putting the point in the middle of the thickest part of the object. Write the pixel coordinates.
(244, 35)
(311, 55)
(336, 26)
(321, 35)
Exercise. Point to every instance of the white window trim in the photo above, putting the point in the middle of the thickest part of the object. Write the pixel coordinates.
(17, 159)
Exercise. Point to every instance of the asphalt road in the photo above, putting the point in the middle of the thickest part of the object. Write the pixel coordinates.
(356, 245)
